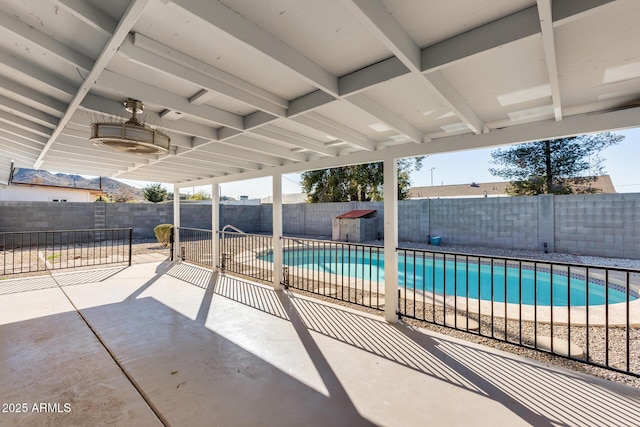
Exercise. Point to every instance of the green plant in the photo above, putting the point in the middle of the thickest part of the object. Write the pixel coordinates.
(154, 193)
(52, 257)
(163, 233)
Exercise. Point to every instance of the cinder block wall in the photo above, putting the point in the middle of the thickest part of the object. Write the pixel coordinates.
(499, 222)
(599, 225)
(40, 216)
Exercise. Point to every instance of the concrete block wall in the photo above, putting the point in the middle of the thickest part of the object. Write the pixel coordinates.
(510, 223)
(41, 216)
(598, 225)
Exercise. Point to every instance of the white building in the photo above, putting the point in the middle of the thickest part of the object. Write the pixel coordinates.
(46, 193)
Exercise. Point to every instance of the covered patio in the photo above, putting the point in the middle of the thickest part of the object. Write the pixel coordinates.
(248, 89)
(174, 344)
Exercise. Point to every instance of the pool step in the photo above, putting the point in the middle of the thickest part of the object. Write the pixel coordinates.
(461, 322)
(560, 346)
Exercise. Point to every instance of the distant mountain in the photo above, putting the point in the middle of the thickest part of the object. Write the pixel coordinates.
(116, 189)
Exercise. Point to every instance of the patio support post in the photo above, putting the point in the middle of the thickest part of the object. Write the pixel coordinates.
(390, 167)
(176, 222)
(277, 231)
(215, 225)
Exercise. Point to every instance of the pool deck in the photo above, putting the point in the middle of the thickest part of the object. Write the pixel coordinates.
(170, 343)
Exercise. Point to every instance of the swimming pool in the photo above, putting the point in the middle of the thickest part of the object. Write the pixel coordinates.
(429, 273)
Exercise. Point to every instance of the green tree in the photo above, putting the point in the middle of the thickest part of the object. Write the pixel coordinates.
(556, 166)
(362, 182)
(200, 195)
(154, 193)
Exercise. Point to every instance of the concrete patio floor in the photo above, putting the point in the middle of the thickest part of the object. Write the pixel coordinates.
(169, 343)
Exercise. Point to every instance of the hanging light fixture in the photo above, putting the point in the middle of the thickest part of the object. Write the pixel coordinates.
(131, 136)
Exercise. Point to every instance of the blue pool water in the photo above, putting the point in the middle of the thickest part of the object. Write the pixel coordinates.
(424, 274)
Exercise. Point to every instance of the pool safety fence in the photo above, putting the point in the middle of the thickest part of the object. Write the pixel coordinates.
(195, 245)
(585, 313)
(590, 314)
(345, 271)
(246, 254)
(39, 251)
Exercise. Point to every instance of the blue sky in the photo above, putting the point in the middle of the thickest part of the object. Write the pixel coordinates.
(621, 162)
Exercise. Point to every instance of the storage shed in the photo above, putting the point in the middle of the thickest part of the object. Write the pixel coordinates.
(357, 226)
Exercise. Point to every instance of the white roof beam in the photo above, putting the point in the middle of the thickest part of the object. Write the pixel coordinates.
(194, 76)
(90, 15)
(365, 103)
(569, 126)
(130, 17)
(24, 134)
(549, 45)
(283, 135)
(28, 113)
(173, 164)
(27, 145)
(378, 20)
(28, 95)
(228, 156)
(213, 160)
(372, 75)
(239, 151)
(350, 84)
(166, 52)
(85, 160)
(261, 145)
(511, 28)
(42, 42)
(54, 84)
(565, 11)
(24, 124)
(335, 129)
(257, 119)
(308, 102)
(155, 95)
(244, 31)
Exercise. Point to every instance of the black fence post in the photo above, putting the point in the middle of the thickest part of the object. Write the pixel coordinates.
(171, 241)
(130, 245)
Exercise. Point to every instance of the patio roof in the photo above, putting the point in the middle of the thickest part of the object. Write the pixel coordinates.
(248, 89)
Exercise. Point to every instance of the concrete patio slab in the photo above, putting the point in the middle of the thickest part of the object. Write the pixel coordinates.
(215, 350)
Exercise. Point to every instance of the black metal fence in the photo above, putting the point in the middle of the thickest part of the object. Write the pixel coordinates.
(585, 313)
(344, 271)
(249, 255)
(590, 314)
(195, 245)
(35, 251)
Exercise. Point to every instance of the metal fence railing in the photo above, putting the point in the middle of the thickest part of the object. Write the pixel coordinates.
(195, 245)
(590, 314)
(36, 251)
(586, 313)
(344, 271)
(249, 255)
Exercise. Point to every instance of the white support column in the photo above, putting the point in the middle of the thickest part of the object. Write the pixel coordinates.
(215, 225)
(176, 222)
(390, 240)
(277, 231)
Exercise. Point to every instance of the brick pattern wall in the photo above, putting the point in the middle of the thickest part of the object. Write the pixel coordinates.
(598, 225)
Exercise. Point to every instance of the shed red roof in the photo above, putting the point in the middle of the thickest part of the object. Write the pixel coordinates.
(358, 213)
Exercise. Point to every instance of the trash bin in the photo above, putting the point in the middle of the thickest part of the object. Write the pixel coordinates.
(435, 240)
